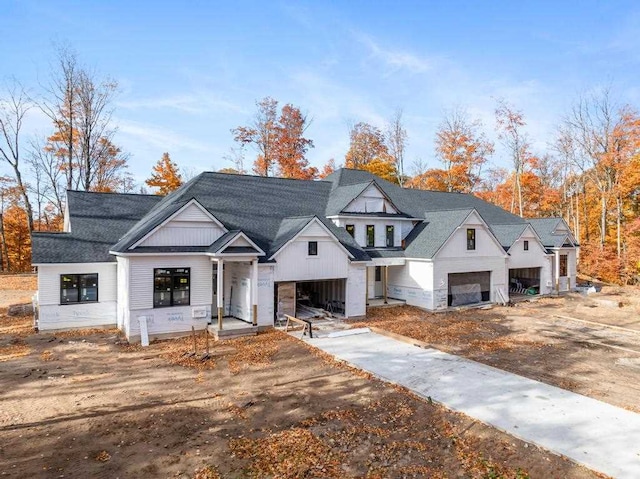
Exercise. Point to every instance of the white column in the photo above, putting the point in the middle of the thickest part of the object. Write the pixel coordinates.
(557, 271)
(254, 291)
(220, 295)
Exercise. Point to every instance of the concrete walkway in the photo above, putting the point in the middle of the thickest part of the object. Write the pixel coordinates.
(600, 436)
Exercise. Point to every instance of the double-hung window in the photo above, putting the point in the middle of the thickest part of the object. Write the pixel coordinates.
(78, 288)
(351, 229)
(371, 236)
(526, 245)
(471, 239)
(390, 236)
(312, 248)
(171, 287)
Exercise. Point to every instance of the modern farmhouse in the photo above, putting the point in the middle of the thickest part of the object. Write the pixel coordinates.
(225, 248)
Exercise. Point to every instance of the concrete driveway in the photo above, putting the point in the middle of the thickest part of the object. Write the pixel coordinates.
(600, 436)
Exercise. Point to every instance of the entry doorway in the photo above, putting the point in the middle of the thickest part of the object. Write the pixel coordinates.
(377, 288)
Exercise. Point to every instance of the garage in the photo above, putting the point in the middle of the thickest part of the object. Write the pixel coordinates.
(524, 281)
(311, 299)
(469, 288)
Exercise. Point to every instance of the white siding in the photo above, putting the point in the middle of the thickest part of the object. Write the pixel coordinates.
(123, 292)
(265, 295)
(486, 245)
(412, 283)
(53, 315)
(401, 229)
(141, 278)
(294, 264)
(237, 290)
(190, 227)
(371, 200)
(355, 303)
(160, 321)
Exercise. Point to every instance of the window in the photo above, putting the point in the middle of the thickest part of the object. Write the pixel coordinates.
(471, 239)
(170, 287)
(526, 245)
(351, 229)
(563, 265)
(378, 273)
(371, 236)
(389, 236)
(313, 248)
(78, 288)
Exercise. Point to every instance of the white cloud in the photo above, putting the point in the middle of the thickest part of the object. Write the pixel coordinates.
(159, 137)
(395, 60)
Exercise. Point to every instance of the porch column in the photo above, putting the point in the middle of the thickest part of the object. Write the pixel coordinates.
(254, 291)
(557, 271)
(220, 295)
(366, 287)
(384, 284)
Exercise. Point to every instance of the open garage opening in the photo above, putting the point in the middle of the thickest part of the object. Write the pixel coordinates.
(469, 288)
(311, 299)
(524, 282)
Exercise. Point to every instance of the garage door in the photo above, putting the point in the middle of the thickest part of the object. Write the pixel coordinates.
(469, 288)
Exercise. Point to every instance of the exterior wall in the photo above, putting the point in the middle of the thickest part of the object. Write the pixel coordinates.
(355, 302)
(535, 257)
(172, 319)
(237, 290)
(412, 283)
(442, 267)
(294, 264)
(266, 311)
(53, 315)
(486, 245)
(123, 292)
(371, 200)
(401, 229)
(567, 283)
(190, 227)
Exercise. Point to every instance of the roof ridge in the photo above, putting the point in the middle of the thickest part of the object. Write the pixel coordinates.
(115, 193)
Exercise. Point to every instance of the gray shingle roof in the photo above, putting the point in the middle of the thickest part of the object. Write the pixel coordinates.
(508, 234)
(545, 228)
(427, 237)
(98, 220)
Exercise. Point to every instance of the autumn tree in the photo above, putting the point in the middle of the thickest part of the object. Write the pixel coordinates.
(165, 176)
(278, 140)
(510, 125)
(80, 106)
(13, 109)
(368, 151)
(396, 140)
(328, 168)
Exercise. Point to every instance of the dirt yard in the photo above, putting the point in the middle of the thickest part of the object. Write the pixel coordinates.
(589, 345)
(86, 404)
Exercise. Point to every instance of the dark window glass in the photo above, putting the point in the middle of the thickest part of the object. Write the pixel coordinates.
(526, 245)
(371, 236)
(389, 236)
(313, 248)
(471, 239)
(351, 229)
(78, 288)
(171, 287)
(378, 273)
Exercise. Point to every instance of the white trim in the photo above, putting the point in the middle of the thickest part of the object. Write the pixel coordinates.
(538, 239)
(157, 253)
(368, 216)
(327, 230)
(192, 201)
(72, 264)
(462, 225)
(233, 238)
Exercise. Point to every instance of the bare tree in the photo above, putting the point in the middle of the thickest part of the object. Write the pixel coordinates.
(396, 136)
(510, 123)
(262, 133)
(13, 110)
(46, 165)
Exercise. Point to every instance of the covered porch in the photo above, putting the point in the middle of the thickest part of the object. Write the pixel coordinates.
(378, 292)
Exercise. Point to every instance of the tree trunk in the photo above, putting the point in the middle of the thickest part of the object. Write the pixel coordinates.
(618, 225)
(3, 237)
(603, 220)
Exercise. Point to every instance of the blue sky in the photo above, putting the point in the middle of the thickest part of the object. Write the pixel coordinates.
(191, 71)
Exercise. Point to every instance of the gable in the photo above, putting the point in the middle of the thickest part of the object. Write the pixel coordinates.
(371, 200)
(486, 243)
(189, 226)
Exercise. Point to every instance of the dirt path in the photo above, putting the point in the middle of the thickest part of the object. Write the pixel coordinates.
(90, 406)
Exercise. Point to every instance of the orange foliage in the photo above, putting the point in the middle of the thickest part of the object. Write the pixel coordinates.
(369, 152)
(328, 168)
(166, 176)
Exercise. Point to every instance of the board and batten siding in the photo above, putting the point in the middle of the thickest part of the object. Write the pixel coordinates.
(190, 227)
(412, 283)
(371, 200)
(52, 315)
(355, 302)
(266, 312)
(294, 264)
(178, 319)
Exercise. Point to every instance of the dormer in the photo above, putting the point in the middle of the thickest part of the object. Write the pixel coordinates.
(371, 200)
